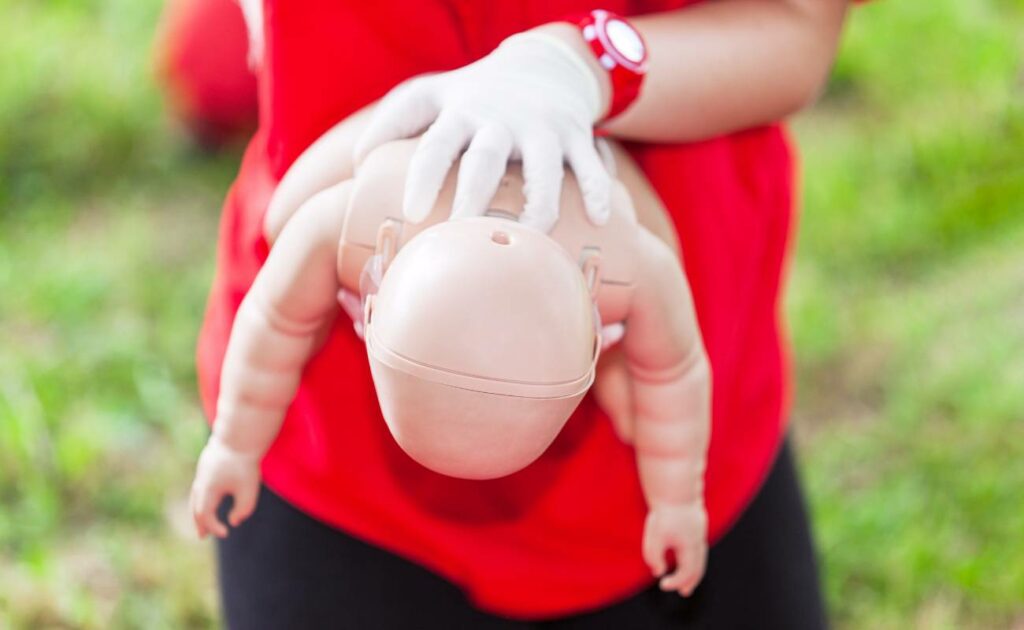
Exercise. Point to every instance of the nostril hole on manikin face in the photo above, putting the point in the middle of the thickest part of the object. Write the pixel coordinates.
(501, 238)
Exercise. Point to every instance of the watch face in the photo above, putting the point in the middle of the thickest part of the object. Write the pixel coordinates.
(625, 40)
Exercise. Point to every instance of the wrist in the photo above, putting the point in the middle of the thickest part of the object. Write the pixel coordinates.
(222, 441)
(676, 505)
(620, 52)
(571, 36)
(670, 482)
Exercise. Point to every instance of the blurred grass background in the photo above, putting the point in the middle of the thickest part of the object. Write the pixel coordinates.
(906, 303)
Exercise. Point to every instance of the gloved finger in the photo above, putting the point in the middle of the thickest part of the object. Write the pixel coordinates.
(604, 149)
(480, 172)
(430, 163)
(245, 503)
(593, 178)
(543, 171)
(403, 113)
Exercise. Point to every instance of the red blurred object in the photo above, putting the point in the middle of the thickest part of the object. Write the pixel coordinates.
(201, 60)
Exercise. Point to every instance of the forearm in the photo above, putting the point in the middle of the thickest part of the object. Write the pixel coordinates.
(719, 67)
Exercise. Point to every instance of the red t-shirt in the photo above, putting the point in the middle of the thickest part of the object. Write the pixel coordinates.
(564, 534)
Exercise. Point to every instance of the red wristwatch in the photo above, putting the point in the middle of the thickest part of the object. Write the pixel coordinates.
(620, 50)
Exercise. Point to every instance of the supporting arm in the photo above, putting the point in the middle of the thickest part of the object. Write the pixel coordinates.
(719, 67)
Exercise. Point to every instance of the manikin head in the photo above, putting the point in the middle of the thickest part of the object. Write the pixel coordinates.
(482, 339)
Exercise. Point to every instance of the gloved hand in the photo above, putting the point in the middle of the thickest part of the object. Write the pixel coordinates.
(534, 98)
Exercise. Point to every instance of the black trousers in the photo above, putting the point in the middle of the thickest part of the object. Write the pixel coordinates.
(284, 569)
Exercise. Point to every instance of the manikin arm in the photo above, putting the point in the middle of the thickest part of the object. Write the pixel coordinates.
(671, 409)
(274, 334)
(325, 163)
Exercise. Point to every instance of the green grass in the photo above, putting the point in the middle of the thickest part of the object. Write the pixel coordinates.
(107, 229)
(906, 304)
(907, 309)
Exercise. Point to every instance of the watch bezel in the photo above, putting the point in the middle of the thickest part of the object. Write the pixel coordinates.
(600, 31)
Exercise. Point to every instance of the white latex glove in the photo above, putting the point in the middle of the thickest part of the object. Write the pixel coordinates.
(533, 98)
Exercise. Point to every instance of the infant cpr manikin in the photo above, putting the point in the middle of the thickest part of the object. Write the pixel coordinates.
(482, 336)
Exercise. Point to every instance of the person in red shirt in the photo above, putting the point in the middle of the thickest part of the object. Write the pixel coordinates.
(347, 530)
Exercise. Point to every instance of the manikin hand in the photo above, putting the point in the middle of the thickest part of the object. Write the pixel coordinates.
(534, 98)
(681, 529)
(223, 471)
